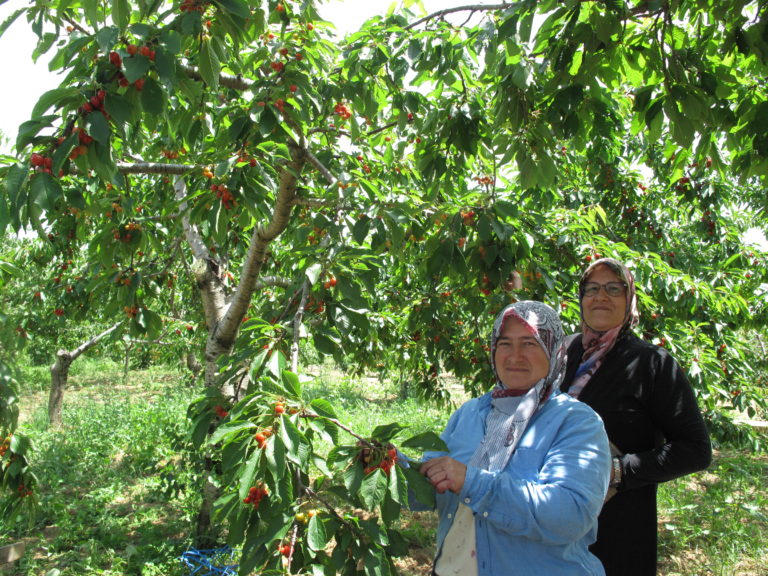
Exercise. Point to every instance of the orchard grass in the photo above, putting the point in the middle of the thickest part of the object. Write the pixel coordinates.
(116, 485)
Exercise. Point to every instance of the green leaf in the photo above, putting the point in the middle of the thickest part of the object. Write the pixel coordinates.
(313, 272)
(119, 109)
(106, 37)
(135, 67)
(210, 67)
(275, 453)
(200, 427)
(398, 485)
(317, 538)
(323, 408)
(229, 430)
(386, 432)
(238, 8)
(14, 189)
(373, 489)
(291, 384)
(420, 486)
(425, 441)
(45, 191)
(53, 98)
(98, 128)
(295, 443)
(20, 444)
(9, 268)
(153, 97)
(121, 13)
(31, 128)
(390, 509)
(324, 342)
(150, 321)
(248, 473)
(375, 562)
(353, 478)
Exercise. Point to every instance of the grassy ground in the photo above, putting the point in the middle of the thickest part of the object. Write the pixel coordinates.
(117, 498)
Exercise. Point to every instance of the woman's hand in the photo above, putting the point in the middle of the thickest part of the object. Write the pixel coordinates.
(445, 473)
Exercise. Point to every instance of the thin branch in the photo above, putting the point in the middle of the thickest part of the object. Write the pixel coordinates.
(309, 414)
(472, 8)
(227, 80)
(321, 168)
(297, 320)
(270, 281)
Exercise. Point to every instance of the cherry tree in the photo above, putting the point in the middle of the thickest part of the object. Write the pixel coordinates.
(379, 199)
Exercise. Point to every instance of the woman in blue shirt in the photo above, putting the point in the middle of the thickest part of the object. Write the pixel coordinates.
(527, 469)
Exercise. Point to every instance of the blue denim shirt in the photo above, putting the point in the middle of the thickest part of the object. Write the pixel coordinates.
(538, 515)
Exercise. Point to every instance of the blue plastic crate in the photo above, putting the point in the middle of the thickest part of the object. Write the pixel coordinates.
(210, 562)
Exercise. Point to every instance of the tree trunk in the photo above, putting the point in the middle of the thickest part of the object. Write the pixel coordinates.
(60, 374)
(224, 314)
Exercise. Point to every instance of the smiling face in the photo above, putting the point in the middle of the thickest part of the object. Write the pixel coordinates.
(602, 312)
(519, 359)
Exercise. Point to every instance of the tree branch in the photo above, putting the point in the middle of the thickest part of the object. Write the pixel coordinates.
(224, 333)
(155, 168)
(227, 80)
(85, 346)
(446, 11)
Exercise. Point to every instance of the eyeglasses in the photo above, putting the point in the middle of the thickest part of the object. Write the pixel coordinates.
(611, 288)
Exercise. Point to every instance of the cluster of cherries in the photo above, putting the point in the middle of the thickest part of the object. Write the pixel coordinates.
(386, 462)
(5, 446)
(255, 495)
(193, 6)
(23, 491)
(342, 111)
(223, 194)
(131, 311)
(261, 437)
(127, 232)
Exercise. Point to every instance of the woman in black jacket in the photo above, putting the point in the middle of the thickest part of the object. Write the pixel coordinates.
(649, 410)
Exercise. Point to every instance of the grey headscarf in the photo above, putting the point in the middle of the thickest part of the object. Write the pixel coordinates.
(510, 415)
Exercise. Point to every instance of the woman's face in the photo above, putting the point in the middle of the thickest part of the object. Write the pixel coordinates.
(520, 360)
(602, 311)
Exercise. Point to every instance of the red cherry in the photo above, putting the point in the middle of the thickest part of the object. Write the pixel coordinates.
(115, 60)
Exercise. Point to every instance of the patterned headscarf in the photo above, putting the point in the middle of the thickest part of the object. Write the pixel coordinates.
(512, 411)
(598, 344)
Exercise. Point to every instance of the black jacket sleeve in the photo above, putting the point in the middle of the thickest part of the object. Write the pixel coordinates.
(681, 443)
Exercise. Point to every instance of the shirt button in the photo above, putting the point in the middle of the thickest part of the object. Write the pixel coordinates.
(485, 514)
(450, 515)
(466, 500)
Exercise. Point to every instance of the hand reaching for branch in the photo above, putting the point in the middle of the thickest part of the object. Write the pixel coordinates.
(445, 473)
